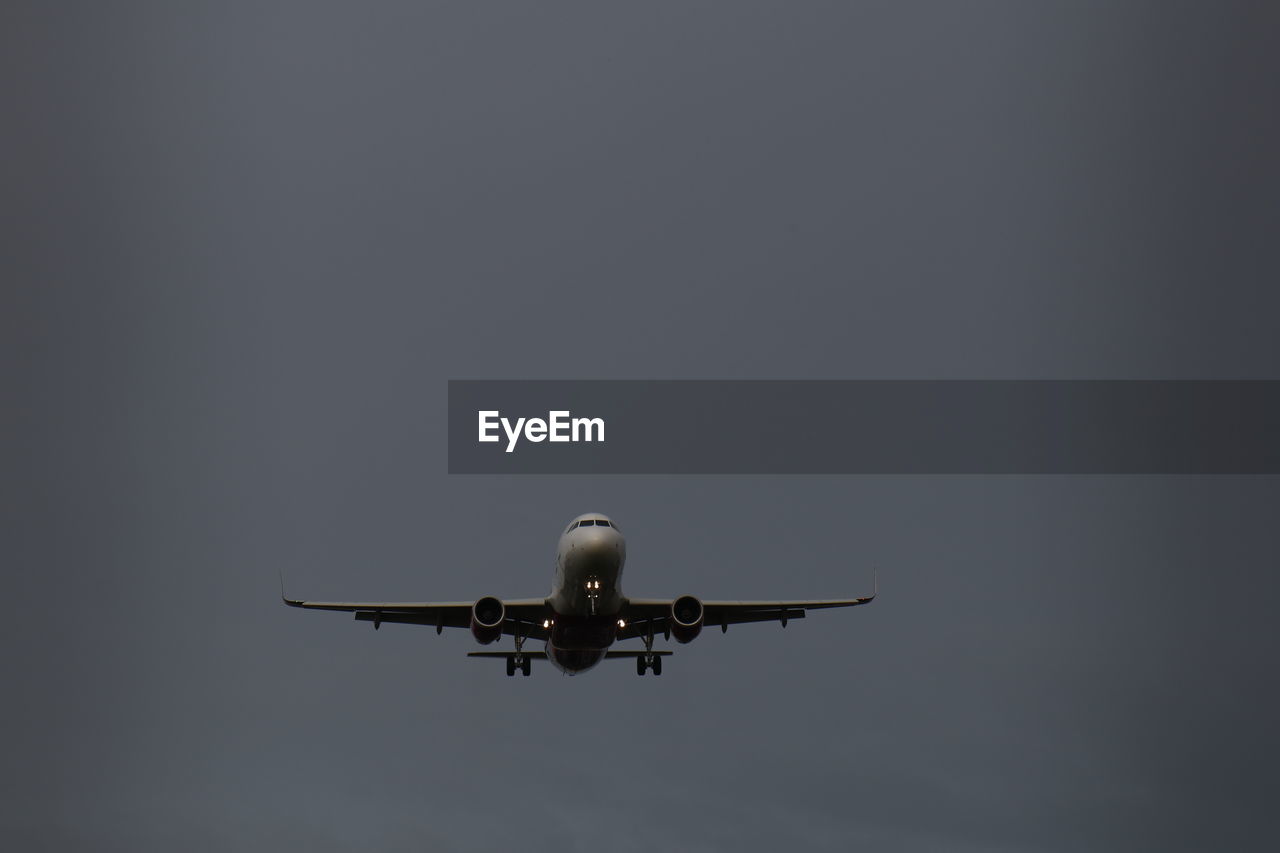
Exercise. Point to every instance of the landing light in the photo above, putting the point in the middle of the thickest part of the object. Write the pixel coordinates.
(622, 623)
(546, 623)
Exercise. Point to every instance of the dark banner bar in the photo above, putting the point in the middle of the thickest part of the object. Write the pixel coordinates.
(863, 427)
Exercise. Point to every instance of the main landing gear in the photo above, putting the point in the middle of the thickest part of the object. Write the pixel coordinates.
(648, 660)
(519, 659)
(513, 661)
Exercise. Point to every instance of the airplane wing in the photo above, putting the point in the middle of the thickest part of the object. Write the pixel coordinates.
(523, 616)
(643, 613)
(612, 654)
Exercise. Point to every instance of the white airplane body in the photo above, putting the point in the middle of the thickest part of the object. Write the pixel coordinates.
(586, 612)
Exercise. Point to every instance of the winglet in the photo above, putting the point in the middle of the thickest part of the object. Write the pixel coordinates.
(875, 586)
(292, 602)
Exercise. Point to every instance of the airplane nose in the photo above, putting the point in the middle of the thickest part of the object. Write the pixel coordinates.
(599, 548)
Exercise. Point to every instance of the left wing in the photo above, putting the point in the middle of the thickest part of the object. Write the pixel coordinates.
(645, 614)
(523, 616)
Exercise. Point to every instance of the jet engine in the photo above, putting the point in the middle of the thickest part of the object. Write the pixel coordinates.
(686, 618)
(487, 616)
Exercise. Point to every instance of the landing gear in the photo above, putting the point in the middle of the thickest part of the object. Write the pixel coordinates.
(522, 662)
(519, 659)
(648, 660)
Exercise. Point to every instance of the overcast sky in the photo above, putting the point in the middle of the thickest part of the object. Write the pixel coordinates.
(248, 244)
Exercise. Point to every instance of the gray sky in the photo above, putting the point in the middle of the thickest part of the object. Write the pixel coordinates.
(247, 244)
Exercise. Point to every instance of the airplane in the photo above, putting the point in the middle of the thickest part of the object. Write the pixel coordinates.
(586, 612)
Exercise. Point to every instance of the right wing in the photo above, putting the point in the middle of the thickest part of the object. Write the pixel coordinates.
(523, 616)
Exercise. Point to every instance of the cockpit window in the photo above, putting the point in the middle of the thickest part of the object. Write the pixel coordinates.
(591, 522)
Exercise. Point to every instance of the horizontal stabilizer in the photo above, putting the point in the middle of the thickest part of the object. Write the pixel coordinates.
(543, 655)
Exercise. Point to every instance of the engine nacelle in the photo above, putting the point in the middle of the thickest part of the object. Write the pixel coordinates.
(487, 616)
(686, 618)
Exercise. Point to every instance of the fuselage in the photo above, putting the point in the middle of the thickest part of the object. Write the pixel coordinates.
(586, 598)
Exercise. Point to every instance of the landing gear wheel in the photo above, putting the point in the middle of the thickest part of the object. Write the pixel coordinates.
(511, 665)
(526, 666)
(657, 665)
(640, 665)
